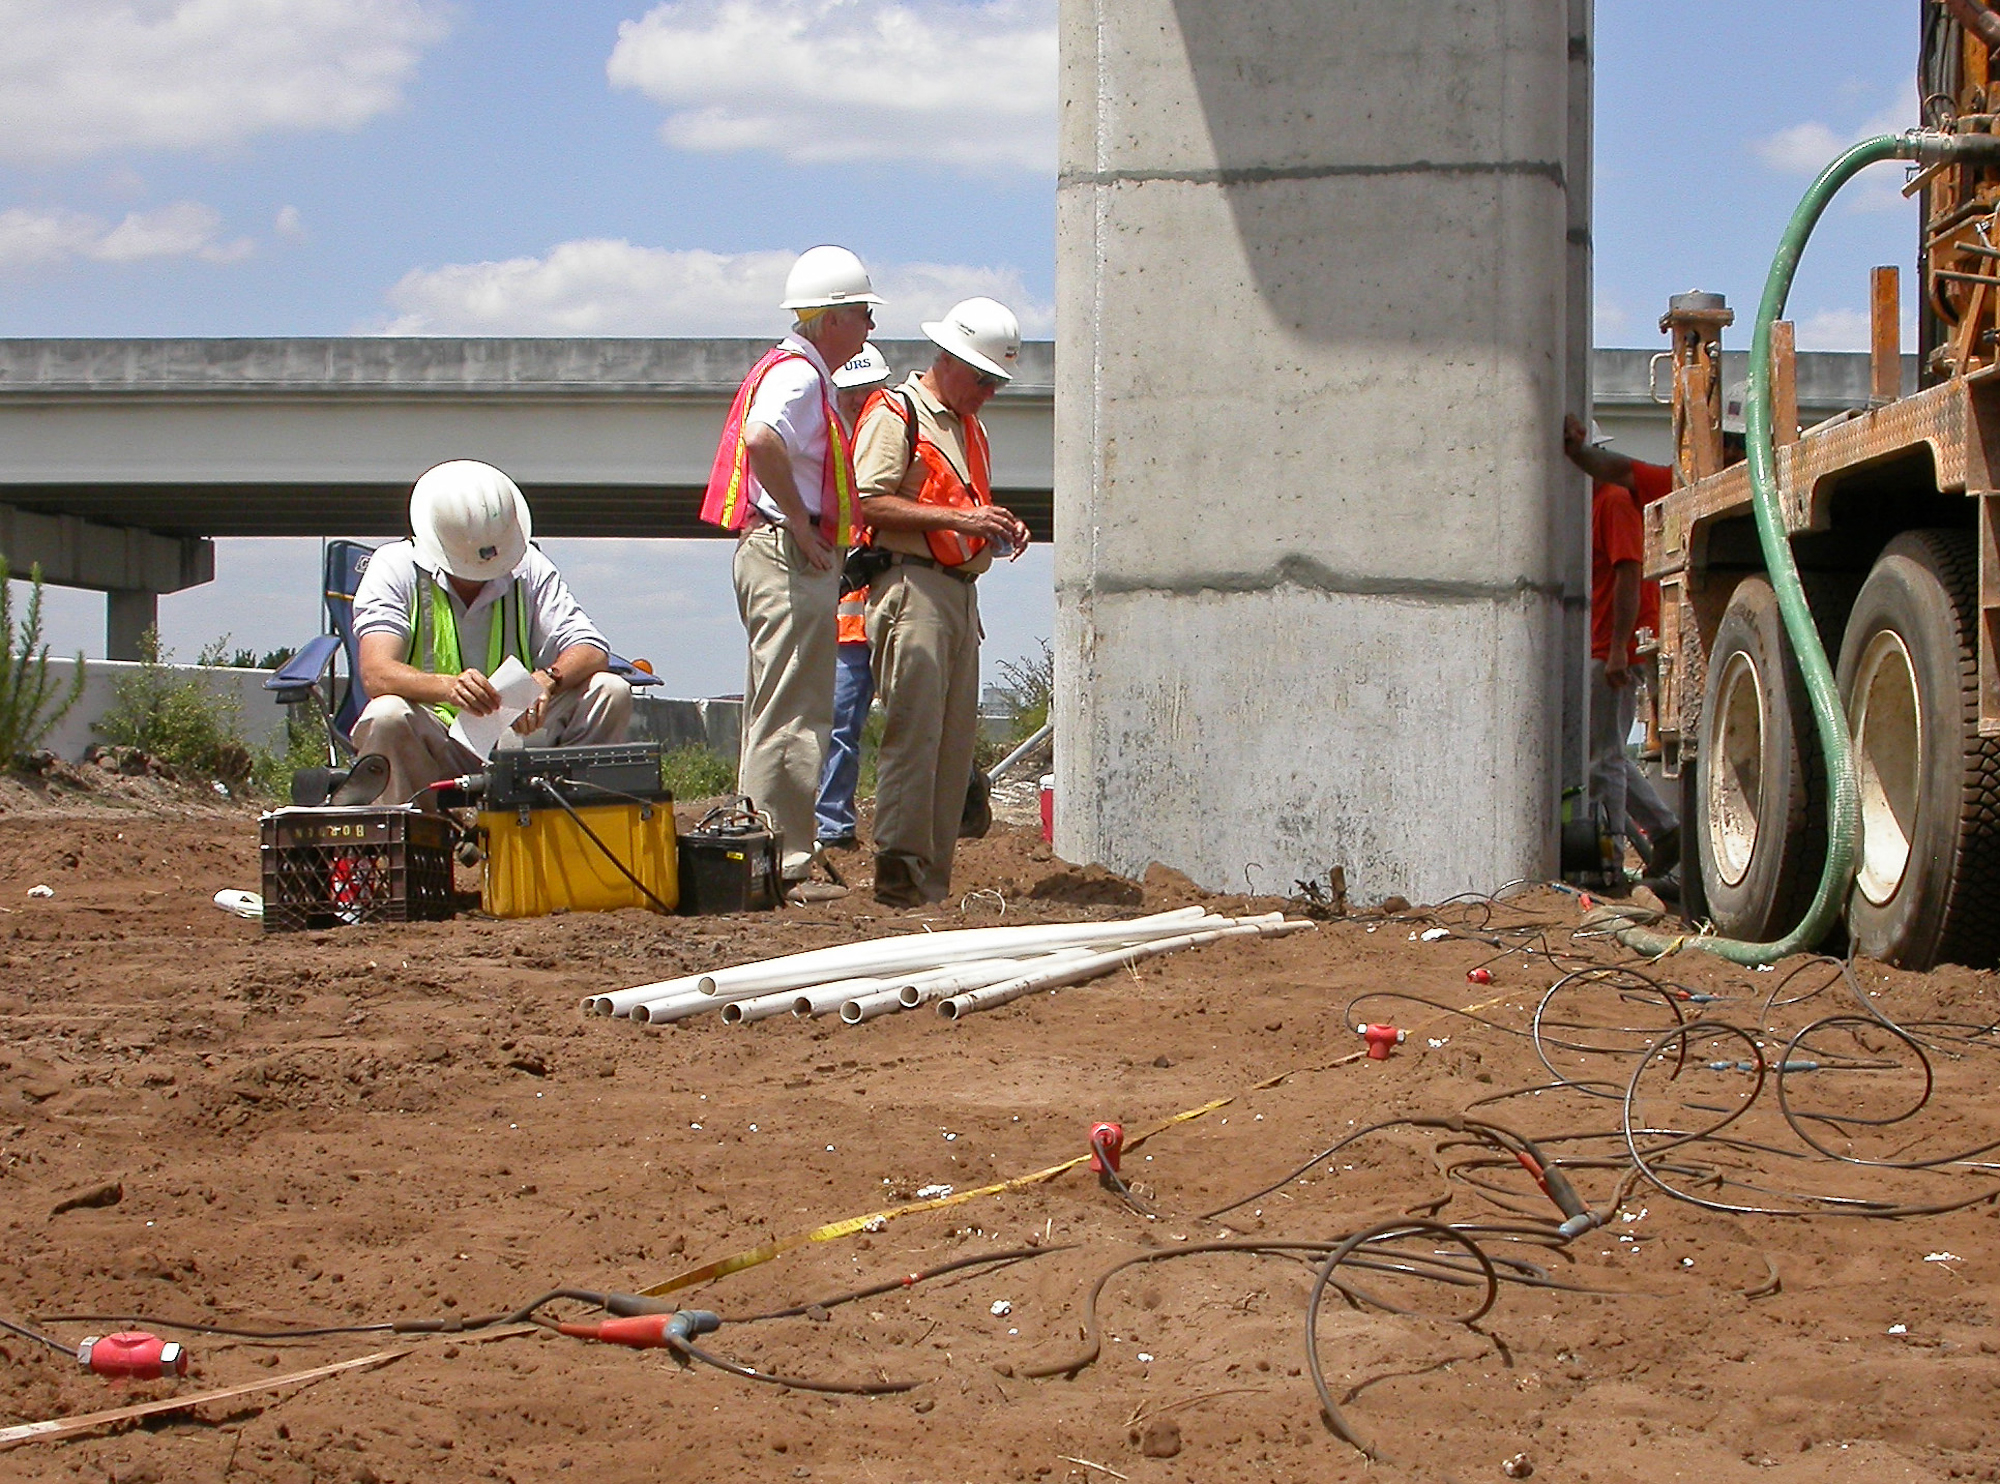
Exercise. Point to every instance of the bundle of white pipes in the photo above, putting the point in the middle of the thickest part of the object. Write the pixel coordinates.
(965, 968)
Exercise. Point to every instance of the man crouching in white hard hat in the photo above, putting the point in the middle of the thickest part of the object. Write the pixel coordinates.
(437, 614)
(784, 482)
(922, 467)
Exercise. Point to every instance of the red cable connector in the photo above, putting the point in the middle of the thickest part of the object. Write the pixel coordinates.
(133, 1355)
(640, 1332)
(1381, 1039)
(1107, 1146)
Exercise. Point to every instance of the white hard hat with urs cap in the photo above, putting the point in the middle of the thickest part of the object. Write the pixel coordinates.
(469, 520)
(982, 333)
(825, 278)
(867, 369)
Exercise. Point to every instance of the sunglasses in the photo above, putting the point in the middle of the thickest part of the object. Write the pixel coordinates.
(987, 381)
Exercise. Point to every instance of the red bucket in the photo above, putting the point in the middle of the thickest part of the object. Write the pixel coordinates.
(1049, 807)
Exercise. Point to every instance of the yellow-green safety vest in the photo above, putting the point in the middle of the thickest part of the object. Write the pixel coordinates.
(434, 634)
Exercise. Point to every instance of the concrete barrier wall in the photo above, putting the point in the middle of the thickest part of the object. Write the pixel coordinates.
(716, 725)
(262, 719)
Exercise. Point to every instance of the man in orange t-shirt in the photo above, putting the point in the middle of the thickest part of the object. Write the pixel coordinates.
(1621, 603)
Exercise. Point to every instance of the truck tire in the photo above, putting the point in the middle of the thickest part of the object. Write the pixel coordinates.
(1759, 821)
(1927, 864)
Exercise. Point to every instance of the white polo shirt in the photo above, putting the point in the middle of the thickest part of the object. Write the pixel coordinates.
(791, 401)
(388, 589)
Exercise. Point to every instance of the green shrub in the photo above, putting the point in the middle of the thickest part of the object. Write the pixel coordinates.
(30, 702)
(696, 772)
(179, 719)
(1029, 687)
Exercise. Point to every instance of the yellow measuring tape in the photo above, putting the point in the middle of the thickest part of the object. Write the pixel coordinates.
(763, 1252)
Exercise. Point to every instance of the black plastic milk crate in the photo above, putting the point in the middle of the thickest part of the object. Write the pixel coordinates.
(326, 867)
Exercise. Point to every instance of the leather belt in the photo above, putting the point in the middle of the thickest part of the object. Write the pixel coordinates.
(957, 574)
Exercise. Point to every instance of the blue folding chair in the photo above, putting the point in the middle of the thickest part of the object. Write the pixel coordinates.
(312, 678)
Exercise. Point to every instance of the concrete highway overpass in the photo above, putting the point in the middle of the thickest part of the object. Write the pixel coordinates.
(122, 460)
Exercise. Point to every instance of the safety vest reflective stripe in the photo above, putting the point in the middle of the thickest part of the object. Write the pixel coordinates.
(853, 617)
(942, 485)
(727, 502)
(434, 646)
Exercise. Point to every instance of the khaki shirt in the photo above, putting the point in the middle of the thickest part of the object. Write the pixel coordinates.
(882, 465)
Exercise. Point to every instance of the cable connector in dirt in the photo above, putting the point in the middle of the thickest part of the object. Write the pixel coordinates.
(646, 1331)
(1381, 1039)
(1578, 1217)
(133, 1355)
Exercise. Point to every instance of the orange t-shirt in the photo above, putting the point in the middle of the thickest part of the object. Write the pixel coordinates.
(1618, 534)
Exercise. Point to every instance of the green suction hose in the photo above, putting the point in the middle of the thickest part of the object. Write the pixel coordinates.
(1836, 747)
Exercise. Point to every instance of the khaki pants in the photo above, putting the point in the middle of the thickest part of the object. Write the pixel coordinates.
(788, 616)
(420, 750)
(924, 637)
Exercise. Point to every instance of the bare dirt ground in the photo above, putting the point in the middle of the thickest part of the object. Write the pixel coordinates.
(384, 1123)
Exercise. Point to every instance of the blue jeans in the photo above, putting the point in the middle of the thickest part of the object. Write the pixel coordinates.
(853, 690)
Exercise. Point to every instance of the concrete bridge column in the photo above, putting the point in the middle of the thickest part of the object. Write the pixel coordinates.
(1315, 320)
(127, 617)
(130, 566)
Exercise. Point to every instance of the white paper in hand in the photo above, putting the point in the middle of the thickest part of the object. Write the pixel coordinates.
(518, 691)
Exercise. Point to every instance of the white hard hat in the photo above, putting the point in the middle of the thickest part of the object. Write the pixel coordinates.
(1733, 397)
(1598, 437)
(869, 368)
(825, 278)
(469, 520)
(982, 333)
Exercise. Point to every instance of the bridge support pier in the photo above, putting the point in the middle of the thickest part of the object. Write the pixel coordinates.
(131, 566)
(127, 617)
(1316, 529)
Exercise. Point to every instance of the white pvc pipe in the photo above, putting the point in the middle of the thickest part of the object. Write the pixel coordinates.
(930, 950)
(1092, 965)
(937, 984)
(683, 1006)
(893, 955)
(824, 999)
(869, 1006)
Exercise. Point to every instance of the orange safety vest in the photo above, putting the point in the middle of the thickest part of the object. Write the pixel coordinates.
(727, 503)
(853, 617)
(942, 486)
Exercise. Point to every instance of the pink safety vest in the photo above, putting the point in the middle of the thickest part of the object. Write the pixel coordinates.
(727, 502)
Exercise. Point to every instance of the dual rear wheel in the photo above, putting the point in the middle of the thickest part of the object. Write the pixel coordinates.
(1927, 864)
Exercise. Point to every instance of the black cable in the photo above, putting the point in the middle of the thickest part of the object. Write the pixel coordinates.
(1012, 1255)
(1382, 1231)
(796, 1383)
(29, 1334)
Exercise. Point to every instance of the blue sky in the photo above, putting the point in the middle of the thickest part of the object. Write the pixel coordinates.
(292, 167)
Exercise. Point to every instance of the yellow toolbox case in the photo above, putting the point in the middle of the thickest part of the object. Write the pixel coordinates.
(546, 864)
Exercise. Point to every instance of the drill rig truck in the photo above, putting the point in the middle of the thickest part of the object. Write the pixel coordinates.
(1892, 519)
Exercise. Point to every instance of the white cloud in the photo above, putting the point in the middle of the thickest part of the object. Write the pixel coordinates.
(82, 77)
(816, 81)
(1846, 329)
(1833, 329)
(1807, 148)
(289, 225)
(1609, 319)
(37, 237)
(607, 287)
